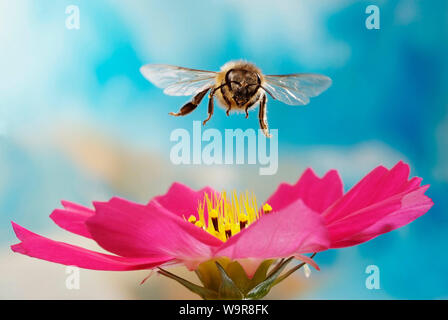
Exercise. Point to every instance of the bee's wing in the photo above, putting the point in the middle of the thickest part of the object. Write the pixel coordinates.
(296, 89)
(178, 81)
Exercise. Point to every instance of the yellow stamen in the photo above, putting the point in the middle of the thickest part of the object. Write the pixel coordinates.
(243, 220)
(228, 230)
(214, 216)
(228, 213)
(199, 224)
(234, 228)
(267, 208)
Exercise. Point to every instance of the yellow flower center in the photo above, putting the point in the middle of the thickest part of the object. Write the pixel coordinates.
(228, 214)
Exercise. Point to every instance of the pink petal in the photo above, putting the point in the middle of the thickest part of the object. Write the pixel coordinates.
(382, 201)
(378, 185)
(43, 248)
(73, 218)
(132, 230)
(250, 265)
(396, 213)
(317, 193)
(292, 230)
(182, 200)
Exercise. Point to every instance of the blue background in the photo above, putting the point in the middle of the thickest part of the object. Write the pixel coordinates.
(79, 122)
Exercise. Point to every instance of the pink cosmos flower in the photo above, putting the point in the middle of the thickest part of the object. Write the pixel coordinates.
(237, 249)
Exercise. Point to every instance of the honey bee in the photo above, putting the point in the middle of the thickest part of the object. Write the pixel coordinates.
(239, 86)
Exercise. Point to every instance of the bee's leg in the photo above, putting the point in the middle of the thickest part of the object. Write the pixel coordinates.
(262, 116)
(228, 111)
(210, 106)
(190, 106)
(247, 111)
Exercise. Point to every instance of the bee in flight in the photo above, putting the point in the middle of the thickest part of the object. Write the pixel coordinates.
(238, 86)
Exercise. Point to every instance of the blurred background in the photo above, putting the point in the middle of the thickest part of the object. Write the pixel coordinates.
(79, 122)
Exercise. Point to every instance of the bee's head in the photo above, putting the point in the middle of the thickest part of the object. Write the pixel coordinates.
(243, 84)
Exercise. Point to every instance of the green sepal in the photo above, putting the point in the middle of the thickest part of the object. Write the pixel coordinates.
(260, 274)
(236, 272)
(204, 293)
(208, 273)
(225, 279)
(288, 273)
(263, 288)
(291, 271)
(227, 290)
